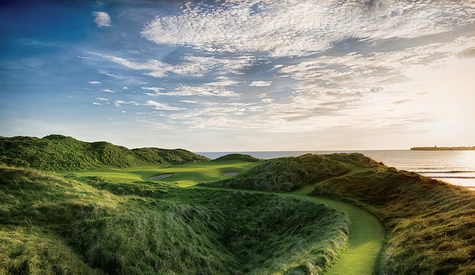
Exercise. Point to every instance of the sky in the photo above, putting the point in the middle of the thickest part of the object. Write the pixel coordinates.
(246, 75)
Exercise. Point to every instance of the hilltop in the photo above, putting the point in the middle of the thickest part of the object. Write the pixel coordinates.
(62, 153)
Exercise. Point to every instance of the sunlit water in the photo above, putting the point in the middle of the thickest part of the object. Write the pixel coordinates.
(456, 167)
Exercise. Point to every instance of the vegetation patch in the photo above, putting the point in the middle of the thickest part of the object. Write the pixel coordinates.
(91, 225)
(237, 157)
(430, 223)
(61, 153)
(285, 174)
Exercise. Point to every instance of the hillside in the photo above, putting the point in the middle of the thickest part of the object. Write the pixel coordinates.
(53, 225)
(286, 174)
(430, 223)
(61, 153)
(237, 157)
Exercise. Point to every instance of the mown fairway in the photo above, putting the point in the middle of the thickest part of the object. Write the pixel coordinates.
(183, 175)
(366, 239)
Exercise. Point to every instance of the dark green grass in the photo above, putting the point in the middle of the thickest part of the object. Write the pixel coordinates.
(285, 174)
(50, 224)
(61, 153)
(430, 223)
(237, 157)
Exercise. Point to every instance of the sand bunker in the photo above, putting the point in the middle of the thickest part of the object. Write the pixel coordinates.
(157, 177)
(230, 173)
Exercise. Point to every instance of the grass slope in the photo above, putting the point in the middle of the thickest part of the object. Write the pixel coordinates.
(237, 157)
(61, 153)
(430, 223)
(50, 224)
(285, 174)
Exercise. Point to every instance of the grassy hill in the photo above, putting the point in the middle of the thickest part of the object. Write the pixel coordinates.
(54, 225)
(430, 223)
(285, 174)
(61, 153)
(237, 157)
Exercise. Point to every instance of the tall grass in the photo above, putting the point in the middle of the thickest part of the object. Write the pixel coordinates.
(55, 225)
(285, 174)
(61, 153)
(430, 223)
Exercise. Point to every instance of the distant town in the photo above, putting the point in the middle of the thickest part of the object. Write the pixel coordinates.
(435, 148)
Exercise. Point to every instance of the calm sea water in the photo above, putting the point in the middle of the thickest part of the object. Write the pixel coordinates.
(456, 167)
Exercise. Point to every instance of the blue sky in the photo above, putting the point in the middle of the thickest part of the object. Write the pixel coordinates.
(240, 75)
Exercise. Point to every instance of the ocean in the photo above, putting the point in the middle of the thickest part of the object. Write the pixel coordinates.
(456, 167)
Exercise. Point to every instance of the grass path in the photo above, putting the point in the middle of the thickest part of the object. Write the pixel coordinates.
(366, 238)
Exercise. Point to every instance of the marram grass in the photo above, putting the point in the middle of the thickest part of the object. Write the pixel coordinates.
(430, 223)
(55, 225)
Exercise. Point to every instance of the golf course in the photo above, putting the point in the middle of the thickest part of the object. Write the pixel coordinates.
(146, 211)
(366, 236)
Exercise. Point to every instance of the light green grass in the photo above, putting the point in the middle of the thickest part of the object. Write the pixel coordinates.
(366, 238)
(184, 175)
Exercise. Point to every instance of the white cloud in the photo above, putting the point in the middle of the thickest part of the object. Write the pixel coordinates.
(260, 83)
(108, 91)
(189, 101)
(156, 90)
(193, 66)
(161, 106)
(102, 19)
(155, 104)
(183, 90)
(302, 27)
(203, 90)
(223, 81)
(94, 82)
(267, 100)
(96, 103)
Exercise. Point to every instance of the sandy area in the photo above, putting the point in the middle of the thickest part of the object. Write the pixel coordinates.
(157, 177)
(230, 174)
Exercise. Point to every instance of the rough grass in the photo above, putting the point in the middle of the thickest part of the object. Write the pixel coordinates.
(430, 224)
(237, 157)
(285, 174)
(51, 224)
(61, 153)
